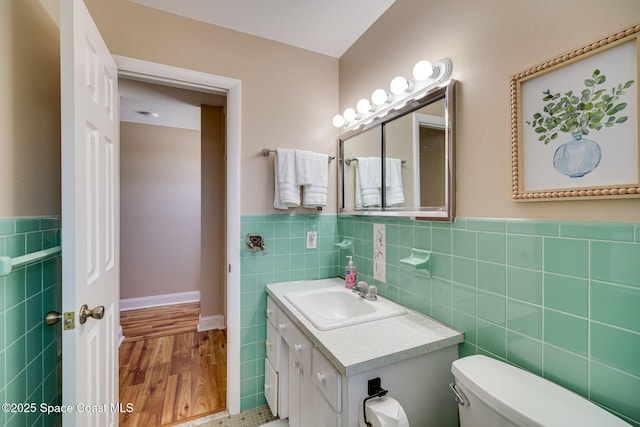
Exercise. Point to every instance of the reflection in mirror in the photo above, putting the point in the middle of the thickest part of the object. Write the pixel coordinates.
(361, 155)
(418, 139)
(417, 176)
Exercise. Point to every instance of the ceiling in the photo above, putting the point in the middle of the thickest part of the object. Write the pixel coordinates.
(328, 27)
(174, 107)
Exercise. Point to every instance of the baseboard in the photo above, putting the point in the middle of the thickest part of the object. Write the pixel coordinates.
(208, 323)
(159, 300)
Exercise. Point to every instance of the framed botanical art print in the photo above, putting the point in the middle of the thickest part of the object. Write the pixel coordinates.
(574, 123)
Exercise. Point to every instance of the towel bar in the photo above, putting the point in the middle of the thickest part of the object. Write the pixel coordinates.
(7, 263)
(266, 151)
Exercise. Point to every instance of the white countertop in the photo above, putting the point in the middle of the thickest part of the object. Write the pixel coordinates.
(359, 348)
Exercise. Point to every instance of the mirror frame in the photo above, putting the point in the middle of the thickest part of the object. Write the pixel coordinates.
(439, 213)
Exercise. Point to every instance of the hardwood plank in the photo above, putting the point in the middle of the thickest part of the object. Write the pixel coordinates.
(170, 397)
(133, 372)
(204, 394)
(160, 321)
(183, 404)
(184, 350)
(130, 394)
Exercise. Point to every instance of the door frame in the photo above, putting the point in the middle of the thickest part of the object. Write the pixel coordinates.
(153, 72)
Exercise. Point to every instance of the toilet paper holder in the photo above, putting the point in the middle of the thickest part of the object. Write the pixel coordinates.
(374, 389)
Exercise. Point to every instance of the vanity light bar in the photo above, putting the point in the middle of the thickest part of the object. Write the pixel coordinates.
(426, 76)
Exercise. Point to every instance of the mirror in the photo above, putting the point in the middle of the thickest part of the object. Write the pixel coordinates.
(402, 164)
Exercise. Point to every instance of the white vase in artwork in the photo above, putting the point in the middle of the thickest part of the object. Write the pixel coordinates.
(577, 157)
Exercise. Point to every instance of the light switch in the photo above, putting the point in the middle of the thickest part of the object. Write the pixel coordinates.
(312, 239)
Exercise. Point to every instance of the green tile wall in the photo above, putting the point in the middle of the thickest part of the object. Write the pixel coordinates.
(286, 258)
(560, 299)
(29, 350)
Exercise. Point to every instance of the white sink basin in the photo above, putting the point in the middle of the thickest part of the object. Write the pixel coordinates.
(332, 308)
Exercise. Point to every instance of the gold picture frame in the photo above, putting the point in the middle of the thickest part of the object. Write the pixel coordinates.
(560, 107)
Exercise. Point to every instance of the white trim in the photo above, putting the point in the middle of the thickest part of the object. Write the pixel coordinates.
(120, 336)
(154, 72)
(159, 300)
(208, 323)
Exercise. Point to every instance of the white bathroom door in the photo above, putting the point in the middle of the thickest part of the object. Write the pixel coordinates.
(90, 221)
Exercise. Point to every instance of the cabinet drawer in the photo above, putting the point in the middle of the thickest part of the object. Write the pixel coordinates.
(271, 387)
(299, 347)
(272, 312)
(323, 413)
(327, 379)
(272, 346)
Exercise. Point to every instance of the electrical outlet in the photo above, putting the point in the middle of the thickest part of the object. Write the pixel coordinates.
(312, 239)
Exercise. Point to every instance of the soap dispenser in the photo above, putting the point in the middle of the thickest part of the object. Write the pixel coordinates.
(350, 274)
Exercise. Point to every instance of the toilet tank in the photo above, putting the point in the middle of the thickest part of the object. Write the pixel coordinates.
(501, 395)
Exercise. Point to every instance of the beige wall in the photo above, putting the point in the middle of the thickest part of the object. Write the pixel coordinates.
(288, 94)
(159, 210)
(488, 41)
(29, 110)
(399, 145)
(213, 274)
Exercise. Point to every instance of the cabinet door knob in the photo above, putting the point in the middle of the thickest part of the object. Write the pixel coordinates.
(297, 347)
(320, 377)
(269, 312)
(281, 326)
(267, 387)
(268, 344)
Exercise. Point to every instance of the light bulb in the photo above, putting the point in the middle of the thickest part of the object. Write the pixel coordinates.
(338, 121)
(363, 106)
(349, 114)
(399, 85)
(379, 97)
(422, 70)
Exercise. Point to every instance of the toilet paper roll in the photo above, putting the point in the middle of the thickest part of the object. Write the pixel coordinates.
(386, 412)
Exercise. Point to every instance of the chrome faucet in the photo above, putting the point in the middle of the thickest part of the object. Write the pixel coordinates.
(366, 291)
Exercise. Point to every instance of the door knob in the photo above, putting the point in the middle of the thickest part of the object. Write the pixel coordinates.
(52, 318)
(96, 313)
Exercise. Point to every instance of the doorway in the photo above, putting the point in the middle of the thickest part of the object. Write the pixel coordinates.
(172, 221)
(182, 78)
(172, 174)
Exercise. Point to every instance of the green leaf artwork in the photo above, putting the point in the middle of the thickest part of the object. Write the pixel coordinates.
(591, 109)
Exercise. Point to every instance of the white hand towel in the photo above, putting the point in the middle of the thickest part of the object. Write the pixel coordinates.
(287, 190)
(393, 182)
(369, 181)
(312, 171)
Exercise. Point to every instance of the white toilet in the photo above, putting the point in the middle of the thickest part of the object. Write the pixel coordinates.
(491, 393)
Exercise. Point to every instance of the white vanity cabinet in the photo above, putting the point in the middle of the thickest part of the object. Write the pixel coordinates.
(322, 376)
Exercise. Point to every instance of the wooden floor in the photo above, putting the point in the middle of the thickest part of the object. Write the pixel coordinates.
(171, 377)
(160, 321)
